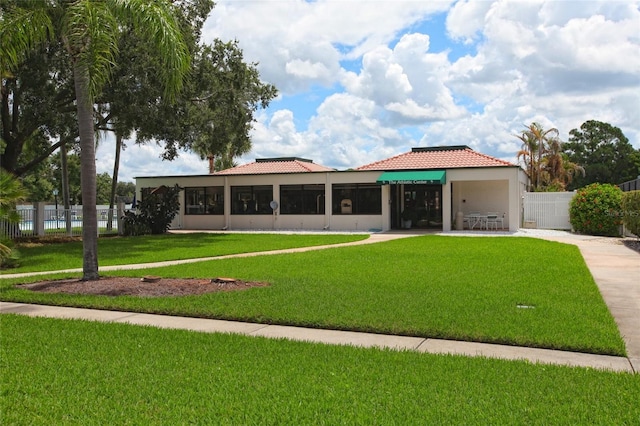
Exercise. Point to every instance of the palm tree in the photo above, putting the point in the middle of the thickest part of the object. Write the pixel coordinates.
(557, 169)
(528, 155)
(535, 142)
(11, 192)
(89, 30)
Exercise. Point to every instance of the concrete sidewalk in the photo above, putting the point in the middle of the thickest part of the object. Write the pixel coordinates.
(333, 337)
(615, 268)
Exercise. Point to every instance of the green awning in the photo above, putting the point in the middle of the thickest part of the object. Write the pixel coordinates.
(423, 177)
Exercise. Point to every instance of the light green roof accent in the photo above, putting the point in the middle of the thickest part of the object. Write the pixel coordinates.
(413, 177)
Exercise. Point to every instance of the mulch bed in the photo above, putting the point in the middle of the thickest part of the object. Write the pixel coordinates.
(143, 287)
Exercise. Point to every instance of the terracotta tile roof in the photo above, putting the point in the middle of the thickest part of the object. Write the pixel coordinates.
(444, 157)
(264, 166)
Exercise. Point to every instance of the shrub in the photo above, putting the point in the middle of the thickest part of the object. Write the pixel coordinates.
(134, 224)
(155, 212)
(631, 211)
(596, 210)
(9, 256)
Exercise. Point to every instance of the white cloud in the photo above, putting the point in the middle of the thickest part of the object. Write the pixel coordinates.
(465, 20)
(278, 33)
(385, 88)
(144, 160)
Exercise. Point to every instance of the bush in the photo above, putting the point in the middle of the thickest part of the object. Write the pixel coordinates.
(9, 256)
(155, 212)
(134, 224)
(631, 211)
(596, 210)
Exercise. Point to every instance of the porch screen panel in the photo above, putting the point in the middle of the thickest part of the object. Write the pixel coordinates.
(369, 199)
(302, 199)
(357, 199)
(251, 199)
(204, 200)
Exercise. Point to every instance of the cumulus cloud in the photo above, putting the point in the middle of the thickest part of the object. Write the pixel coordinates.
(465, 20)
(385, 88)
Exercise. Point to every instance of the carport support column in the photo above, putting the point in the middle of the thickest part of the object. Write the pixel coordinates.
(446, 206)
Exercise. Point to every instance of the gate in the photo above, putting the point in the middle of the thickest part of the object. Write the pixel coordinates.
(549, 210)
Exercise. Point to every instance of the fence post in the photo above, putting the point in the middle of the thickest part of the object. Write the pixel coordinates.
(38, 218)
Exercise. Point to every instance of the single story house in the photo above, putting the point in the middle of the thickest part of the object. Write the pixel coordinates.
(434, 187)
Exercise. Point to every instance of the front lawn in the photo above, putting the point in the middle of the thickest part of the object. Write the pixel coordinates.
(77, 372)
(517, 291)
(157, 248)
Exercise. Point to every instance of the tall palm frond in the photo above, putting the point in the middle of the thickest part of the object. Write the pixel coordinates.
(11, 193)
(89, 30)
(23, 30)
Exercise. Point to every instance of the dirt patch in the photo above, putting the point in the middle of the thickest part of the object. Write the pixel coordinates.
(143, 287)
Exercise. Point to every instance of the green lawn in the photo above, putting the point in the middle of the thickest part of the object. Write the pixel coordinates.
(158, 248)
(430, 286)
(57, 372)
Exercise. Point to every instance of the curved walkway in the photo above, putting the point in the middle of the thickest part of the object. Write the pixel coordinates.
(373, 238)
(615, 268)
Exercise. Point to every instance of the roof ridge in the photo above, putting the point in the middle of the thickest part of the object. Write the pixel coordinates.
(303, 165)
(489, 156)
(383, 160)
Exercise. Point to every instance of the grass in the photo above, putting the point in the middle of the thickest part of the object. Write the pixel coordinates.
(77, 372)
(431, 286)
(156, 248)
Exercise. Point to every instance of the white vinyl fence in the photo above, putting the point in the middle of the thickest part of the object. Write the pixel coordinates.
(547, 210)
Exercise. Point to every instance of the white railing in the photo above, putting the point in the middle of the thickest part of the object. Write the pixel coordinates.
(547, 210)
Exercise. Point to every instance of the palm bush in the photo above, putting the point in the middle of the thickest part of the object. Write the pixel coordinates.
(11, 192)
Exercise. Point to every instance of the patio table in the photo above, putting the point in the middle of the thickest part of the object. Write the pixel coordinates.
(476, 220)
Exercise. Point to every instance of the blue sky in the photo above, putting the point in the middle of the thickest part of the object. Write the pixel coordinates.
(363, 80)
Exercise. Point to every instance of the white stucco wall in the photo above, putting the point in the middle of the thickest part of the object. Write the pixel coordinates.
(495, 189)
(277, 220)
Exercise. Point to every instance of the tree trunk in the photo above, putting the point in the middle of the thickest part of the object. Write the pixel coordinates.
(65, 187)
(87, 173)
(114, 180)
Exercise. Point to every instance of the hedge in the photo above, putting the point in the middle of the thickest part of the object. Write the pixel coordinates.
(631, 211)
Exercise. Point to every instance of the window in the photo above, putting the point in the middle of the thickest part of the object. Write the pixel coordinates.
(357, 199)
(204, 200)
(251, 199)
(302, 199)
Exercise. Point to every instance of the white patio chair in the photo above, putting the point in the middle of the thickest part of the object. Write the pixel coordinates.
(492, 221)
(474, 219)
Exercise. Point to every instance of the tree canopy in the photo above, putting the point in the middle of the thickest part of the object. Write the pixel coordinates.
(604, 152)
(212, 116)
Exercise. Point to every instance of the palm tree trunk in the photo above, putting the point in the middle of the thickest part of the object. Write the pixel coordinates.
(87, 173)
(114, 180)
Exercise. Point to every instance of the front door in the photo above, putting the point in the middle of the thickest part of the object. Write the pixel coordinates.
(416, 203)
